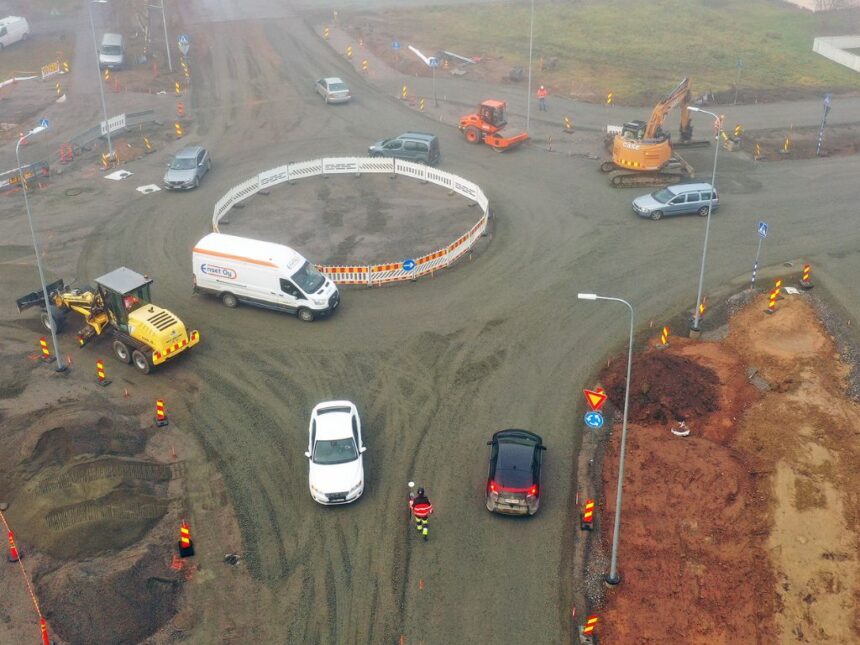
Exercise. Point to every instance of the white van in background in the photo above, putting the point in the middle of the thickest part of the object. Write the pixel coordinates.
(112, 52)
(13, 29)
(274, 276)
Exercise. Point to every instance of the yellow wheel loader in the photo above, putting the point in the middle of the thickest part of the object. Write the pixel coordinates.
(143, 333)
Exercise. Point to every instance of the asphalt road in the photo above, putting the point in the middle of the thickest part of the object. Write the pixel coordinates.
(435, 367)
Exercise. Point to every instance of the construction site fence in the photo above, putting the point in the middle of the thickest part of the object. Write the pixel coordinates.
(118, 122)
(11, 179)
(383, 272)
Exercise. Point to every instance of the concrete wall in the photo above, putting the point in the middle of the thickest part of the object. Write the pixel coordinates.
(834, 48)
(814, 5)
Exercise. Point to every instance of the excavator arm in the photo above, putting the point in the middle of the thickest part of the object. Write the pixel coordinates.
(679, 96)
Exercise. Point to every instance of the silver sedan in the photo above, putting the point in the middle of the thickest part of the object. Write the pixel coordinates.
(333, 90)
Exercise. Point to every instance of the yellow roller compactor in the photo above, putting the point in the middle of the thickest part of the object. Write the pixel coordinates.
(143, 333)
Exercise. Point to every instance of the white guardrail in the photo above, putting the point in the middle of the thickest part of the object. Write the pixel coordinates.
(371, 274)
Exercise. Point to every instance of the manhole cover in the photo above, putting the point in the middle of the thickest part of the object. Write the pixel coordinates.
(71, 192)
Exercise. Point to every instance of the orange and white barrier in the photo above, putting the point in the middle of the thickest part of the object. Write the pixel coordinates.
(386, 272)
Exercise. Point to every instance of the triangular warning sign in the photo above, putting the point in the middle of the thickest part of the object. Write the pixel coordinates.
(595, 398)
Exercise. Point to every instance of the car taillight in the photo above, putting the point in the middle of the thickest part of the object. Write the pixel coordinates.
(494, 488)
(533, 491)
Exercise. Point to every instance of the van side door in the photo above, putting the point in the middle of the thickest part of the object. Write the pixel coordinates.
(289, 295)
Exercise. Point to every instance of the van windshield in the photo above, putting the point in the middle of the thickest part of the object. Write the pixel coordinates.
(112, 50)
(308, 278)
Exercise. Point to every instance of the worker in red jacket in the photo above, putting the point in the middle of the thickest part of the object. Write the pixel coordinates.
(541, 97)
(421, 510)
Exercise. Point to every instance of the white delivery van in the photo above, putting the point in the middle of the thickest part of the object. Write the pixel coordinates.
(112, 52)
(13, 29)
(274, 276)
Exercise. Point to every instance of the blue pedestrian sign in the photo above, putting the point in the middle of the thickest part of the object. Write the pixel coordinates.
(408, 265)
(762, 229)
(43, 123)
(433, 62)
(594, 419)
(184, 42)
(395, 44)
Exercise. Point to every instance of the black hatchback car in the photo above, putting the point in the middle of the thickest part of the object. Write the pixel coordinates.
(513, 483)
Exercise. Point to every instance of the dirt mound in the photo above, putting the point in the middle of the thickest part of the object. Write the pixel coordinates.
(92, 508)
(664, 388)
(100, 602)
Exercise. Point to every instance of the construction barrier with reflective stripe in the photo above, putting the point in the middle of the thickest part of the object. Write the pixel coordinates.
(381, 273)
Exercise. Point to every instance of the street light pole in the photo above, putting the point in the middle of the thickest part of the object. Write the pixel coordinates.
(99, 74)
(60, 366)
(697, 314)
(531, 40)
(166, 38)
(613, 578)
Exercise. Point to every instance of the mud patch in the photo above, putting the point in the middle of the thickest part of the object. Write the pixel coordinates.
(97, 603)
(664, 387)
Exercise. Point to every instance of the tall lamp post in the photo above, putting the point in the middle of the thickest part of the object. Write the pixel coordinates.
(166, 37)
(99, 74)
(531, 40)
(613, 578)
(60, 366)
(719, 123)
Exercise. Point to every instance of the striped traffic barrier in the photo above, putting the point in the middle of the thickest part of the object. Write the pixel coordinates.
(664, 338)
(806, 277)
(160, 414)
(14, 553)
(186, 546)
(771, 303)
(100, 373)
(586, 518)
(46, 353)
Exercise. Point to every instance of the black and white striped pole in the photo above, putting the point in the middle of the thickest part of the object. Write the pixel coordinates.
(828, 98)
(762, 233)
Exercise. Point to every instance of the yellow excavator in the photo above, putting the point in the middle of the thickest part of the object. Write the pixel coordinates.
(143, 334)
(642, 153)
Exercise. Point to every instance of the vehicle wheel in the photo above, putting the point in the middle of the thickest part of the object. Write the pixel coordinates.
(498, 148)
(656, 215)
(120, 350)
(48, 316)
(229, 300)
(703, 211)
(472, 134)
(375, 155)
(617, 181)
(141, 362)
(306, 315)
(325, 98)
(607, 166)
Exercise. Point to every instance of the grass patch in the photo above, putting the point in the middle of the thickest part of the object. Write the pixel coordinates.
(639, 49)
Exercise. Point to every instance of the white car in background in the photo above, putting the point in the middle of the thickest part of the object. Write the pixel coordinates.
(335, 448)
(333, 90)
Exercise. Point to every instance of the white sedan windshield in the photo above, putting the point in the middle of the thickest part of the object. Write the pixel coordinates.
(335, 451)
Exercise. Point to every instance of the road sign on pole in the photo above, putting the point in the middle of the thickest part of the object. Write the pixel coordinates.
(594, 419)
(595, 398)
(43, 123)
(184, 43)
(762, 233)
(762, 229)
(395, 45)
(408, 265)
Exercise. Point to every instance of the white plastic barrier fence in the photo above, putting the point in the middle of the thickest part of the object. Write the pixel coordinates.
(371, 274)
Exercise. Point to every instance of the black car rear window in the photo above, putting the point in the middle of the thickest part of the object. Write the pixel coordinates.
(514, 465)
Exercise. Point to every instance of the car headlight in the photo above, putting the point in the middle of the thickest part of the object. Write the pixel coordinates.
(318, 302)
(355, 488)
(316, 490)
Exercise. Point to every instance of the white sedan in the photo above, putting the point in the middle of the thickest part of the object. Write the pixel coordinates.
(335, 448)
(333, 90)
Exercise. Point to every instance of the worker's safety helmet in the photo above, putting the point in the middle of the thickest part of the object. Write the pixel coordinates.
(420, 492)
(541, 86)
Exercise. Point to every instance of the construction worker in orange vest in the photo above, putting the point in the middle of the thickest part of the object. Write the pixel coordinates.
(421, 510)
(541, 96)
